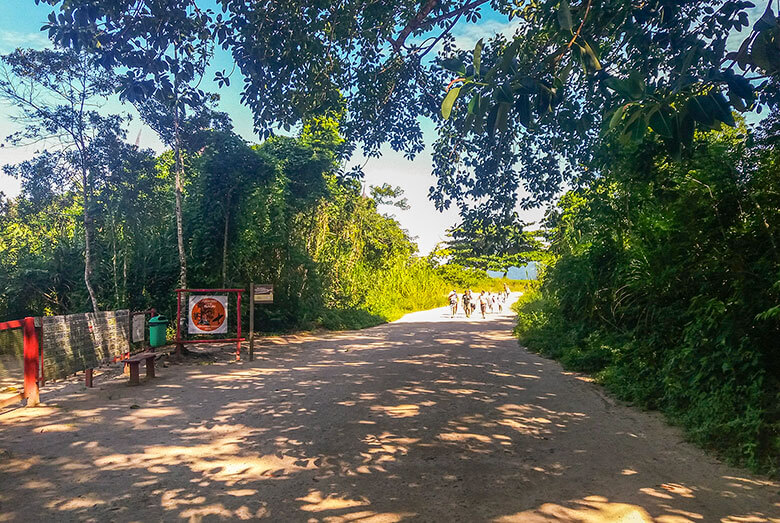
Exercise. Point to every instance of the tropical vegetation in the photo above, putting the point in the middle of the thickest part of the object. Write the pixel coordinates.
(666, 286)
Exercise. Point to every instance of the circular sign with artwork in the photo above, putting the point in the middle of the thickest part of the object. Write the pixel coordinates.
(208, 314)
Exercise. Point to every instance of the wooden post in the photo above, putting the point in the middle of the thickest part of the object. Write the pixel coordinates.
(251, 321)
(134, 373)
(31, 362)
(238, 323)
(88, 378)
(178, 324)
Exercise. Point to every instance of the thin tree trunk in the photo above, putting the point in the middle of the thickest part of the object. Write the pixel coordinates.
(178, 190)
(88, 241)
(179, 217)
(114, 261)
(124, 274)
(225, 240)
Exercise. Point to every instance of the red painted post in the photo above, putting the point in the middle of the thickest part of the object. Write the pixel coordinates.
(238, 334)
(31, 362)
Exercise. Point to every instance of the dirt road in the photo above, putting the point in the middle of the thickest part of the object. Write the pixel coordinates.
(425, 419)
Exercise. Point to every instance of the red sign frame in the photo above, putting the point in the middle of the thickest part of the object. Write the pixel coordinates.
(238, 339)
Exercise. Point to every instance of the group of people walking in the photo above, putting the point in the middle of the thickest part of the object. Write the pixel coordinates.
(487, 301)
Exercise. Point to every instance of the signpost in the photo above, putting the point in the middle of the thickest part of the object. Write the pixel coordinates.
(260, 293)
(208, 315)
(139, 322)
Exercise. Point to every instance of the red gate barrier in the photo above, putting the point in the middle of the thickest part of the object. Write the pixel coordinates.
(32, 360)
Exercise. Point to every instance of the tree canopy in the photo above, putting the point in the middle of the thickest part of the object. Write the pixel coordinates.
(535, 102)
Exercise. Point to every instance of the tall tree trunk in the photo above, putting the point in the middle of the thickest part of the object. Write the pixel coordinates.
(178, 190)
(225, 240)
(125, 249)
(88, 240)
(114, 261)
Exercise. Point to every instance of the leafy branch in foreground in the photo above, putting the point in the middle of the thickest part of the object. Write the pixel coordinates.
(524, 112)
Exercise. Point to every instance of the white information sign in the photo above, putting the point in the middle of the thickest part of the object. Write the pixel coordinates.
(208, 314)
(138, 327)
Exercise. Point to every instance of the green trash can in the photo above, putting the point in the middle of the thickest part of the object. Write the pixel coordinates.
(157, 327)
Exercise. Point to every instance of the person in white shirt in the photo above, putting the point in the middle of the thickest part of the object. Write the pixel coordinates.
(454, 302)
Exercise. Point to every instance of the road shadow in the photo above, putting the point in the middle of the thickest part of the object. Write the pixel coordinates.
(419, 420)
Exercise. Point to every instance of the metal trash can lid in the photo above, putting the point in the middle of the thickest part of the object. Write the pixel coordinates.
(158, 320)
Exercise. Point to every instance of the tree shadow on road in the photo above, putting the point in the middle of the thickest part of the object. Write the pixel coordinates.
(401, 421)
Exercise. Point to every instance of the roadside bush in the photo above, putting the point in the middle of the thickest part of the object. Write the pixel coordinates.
(666, 288)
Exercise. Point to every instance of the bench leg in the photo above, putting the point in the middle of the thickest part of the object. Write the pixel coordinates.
(150, 367)
(134, 372)
(88, 378)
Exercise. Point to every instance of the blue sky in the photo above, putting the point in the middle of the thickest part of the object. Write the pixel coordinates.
(20, 27)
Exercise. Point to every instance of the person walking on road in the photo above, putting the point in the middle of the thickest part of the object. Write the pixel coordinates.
(454, 302)
(483, 301)
(467, 302)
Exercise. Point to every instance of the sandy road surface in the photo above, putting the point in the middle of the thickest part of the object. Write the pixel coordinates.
(425, 419)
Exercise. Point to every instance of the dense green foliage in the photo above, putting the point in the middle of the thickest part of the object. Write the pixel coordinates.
(667, 285)
(273, 213)
(538, 94)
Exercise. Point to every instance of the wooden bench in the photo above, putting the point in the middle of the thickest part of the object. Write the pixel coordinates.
(134, 361)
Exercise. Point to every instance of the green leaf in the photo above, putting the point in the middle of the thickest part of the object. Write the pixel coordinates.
(509, 54)
(473, 106)
(504, 93)
(634, 129)
(565, 72)
(618, 85)
(449, 101)
(580, 52)
(741, 87)
(700, 109)
(686, 127)
(564, 16)
(765, 52)
(491, 120)
(527, 85)
(662, 122)
(635, 85)
(543, 100)
(639, 129)
(501, 117)
(454, 65)
(523, 108)
(743, 53)
(723, 109)
(477, 56)
(468, 123)
(617, 116)
(590, 57)
(767, 20)
(736, 101)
